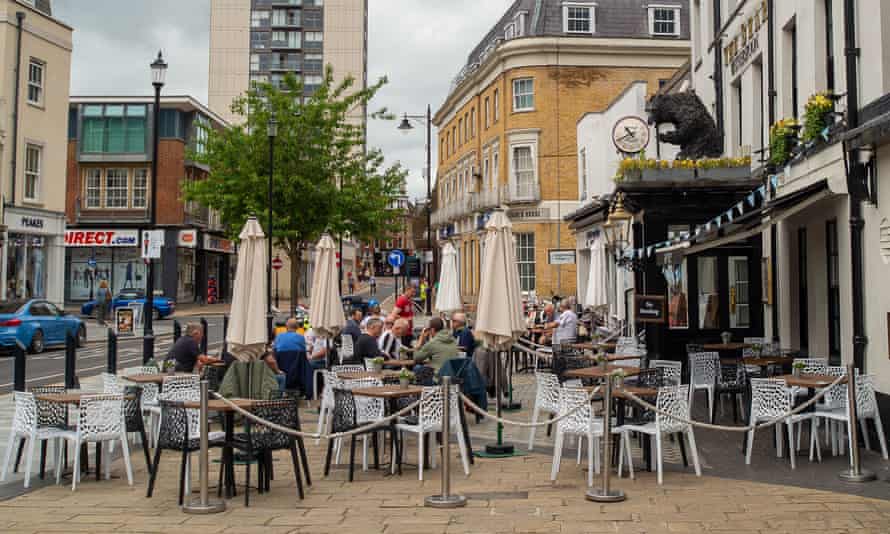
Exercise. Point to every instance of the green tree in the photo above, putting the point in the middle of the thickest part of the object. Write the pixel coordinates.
(325, 179)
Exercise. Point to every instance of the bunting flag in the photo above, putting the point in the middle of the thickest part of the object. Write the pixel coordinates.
(741, 207)
(774, 180)
(729, 215)
(752, 200)
(649, 251)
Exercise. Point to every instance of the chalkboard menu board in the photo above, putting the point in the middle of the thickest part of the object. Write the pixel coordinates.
(650, 309)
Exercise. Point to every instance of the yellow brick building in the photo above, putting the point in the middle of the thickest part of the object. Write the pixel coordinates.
(507, 134)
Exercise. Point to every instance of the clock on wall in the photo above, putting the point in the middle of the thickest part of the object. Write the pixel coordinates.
(630, 134)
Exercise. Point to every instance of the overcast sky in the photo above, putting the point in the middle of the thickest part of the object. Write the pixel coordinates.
(419, 44)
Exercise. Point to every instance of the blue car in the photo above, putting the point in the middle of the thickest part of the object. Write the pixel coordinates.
(161, 306)
(37, 324)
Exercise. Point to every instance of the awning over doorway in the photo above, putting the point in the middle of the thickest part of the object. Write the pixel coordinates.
(748, 225)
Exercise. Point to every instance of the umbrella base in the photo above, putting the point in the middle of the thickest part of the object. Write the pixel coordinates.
(499, 449)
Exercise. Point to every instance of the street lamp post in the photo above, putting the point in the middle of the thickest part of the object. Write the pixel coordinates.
(405, 127)
(272, 131)
(158, 75)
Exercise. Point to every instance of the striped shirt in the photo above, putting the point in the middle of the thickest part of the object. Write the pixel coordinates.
(389, 344)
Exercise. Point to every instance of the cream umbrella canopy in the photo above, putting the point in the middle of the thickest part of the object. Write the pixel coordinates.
(448, 298)
(597, 285)
(499, 311)
(325, 306)
(247, 334)
(499, 317)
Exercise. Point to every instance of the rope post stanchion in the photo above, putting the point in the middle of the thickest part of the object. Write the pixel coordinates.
(446, 499)
(204, 505)
(606, 494)
(855, 473)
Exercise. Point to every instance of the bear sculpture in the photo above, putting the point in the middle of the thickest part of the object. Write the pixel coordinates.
(694, 128)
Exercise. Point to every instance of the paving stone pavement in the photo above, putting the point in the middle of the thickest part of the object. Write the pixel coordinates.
(512, 495)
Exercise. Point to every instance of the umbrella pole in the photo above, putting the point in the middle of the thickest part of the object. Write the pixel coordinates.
(499, 448)
(511, 405)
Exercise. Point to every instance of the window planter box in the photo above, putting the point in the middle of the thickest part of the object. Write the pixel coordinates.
(725, 173)
(659, 175)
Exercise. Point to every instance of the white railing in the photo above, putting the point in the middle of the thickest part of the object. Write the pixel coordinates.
(487, 198)
(518, 193)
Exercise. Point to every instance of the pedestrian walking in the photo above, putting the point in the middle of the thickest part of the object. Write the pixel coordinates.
(103, 302)
(373, 283)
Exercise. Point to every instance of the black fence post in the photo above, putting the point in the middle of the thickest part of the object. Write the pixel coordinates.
(112, 351)
(225, 344)
(19, 366)
(177, 330)
(70, 361)
(204, 337)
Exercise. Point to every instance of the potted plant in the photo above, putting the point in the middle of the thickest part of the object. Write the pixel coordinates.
(601, 359)
(817, 116)
(782, 140)
(723, 168)
(169, 366)
(797, 368)
(405, 378)
(758, 349)
(378, 364)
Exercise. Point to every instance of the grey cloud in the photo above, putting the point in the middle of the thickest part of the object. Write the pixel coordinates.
(419, 44)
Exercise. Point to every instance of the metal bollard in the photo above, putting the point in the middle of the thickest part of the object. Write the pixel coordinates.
(19, 366)
(606, 494)
(855, 473)
(225, 332)
(204, 338)
(177, 330)
(112, 351)
(204, 505)
(70, 361)
(446, 499)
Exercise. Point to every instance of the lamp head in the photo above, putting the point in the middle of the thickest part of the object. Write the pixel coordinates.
(272, 127)
(158, 71)
(405, 126)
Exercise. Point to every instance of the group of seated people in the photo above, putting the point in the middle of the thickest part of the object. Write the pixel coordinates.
(552, 329)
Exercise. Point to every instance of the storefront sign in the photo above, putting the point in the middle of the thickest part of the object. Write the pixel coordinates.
(31, 222)
(125, 322)
(650, 309)
(152, 244)
(188, 238)
(742, 48)
(218, 244)
(101, 238)
(561, 257)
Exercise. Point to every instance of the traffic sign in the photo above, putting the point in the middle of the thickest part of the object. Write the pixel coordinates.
(277, 264)
(396, 258)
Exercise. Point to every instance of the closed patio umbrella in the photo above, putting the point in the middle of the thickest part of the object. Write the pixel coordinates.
(247, 335)
(499, 320)
(597, 286)
(325, 307)
(448, 298)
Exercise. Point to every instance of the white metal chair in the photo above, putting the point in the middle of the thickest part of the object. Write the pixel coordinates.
(811, 366)
(347, 349)
(638, 351)
(367, 410)
(100, 419)
(326, 407)
(582, 423)
(24, 426)
(836, 410)
(672, 400)
(429, 421)
(546, 401)
(703, 367)
(770, 400)
(150, 406)
(174, 388)
(673, 371)
(347, 368)
(110, 384)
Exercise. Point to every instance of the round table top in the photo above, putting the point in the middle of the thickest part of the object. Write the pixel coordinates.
(398, 363)
(726, 346)
(69, 397)
(762, 361)
(810, 381)
(358, 375)
(601, 371)
(388, 392)
(217, 405)
(151, 378)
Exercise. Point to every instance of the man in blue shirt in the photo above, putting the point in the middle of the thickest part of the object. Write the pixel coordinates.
(465, 341)
(288, 346)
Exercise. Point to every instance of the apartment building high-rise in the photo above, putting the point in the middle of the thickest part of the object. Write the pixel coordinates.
(263, 40)
(35, 52)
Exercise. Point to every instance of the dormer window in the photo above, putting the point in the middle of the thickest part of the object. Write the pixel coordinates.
(579, 17)
(520, 20)
(510, 31)
(664, 20)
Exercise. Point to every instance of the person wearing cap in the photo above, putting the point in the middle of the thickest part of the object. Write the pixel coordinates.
(373, 313)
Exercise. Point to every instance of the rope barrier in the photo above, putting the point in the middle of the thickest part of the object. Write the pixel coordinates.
(475, 408)
(748, 428)
(316, 435)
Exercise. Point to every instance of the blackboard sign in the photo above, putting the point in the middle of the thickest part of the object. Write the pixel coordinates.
(650, 309)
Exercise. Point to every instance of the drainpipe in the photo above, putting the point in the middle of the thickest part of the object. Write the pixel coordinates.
(20, 18)
(771, 111)
(718, 71)
(851, 53)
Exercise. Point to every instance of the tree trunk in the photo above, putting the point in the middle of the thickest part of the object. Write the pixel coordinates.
(295, 255)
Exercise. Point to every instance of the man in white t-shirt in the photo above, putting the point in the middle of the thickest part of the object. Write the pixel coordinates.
(316, 349)
(566, 324)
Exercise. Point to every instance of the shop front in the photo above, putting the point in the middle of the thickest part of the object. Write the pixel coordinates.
(96, 255)
(218, 269)
(186, 265)
(34, 255)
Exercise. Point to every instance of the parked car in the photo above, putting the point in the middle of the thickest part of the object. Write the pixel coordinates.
(37, 324)
(350, 302)
(161, 306)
